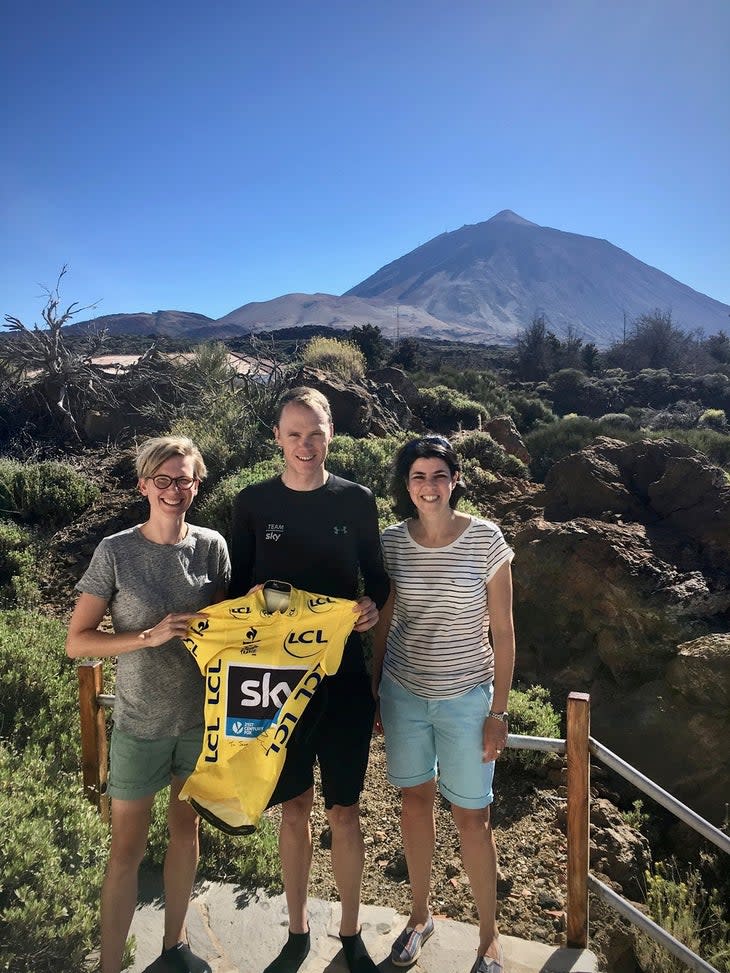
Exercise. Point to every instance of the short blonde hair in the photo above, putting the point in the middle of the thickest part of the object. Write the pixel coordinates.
(152, 453)
(304, 395)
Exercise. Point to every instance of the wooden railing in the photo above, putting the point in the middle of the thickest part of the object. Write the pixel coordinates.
(578, 747)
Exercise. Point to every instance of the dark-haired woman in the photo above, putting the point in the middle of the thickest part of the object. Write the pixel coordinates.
(442, 681)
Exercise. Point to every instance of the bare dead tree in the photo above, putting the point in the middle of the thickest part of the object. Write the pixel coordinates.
(64, 378)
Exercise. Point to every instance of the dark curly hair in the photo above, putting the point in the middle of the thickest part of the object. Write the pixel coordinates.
(425, 447)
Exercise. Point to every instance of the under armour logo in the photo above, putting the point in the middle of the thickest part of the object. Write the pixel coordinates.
(340, 530)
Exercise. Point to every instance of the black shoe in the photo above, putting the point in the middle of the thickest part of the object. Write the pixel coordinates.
(356, 954)
(179, 959)
(292, 955)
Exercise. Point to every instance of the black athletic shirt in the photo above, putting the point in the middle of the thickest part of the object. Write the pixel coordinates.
(321, 540)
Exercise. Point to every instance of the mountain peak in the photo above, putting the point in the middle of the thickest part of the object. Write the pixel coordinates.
(508, 216)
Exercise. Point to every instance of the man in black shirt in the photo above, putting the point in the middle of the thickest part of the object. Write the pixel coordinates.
(318, 532)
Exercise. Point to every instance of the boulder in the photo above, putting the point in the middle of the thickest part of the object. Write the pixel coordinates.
(653, 482)
(700, 672)
(622, 590)
(359, 408)
(398, 379)
(616, 849)
(503, 431)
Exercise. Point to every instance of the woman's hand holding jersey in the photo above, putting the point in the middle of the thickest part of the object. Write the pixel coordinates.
(172, 626)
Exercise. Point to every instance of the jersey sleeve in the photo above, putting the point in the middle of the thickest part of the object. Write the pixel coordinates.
(99, 579)
(243, 546)
(370, 555)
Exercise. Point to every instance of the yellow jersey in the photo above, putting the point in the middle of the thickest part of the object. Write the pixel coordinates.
(262, 657)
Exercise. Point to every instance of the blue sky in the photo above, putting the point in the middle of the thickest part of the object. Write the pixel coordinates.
(201, 156)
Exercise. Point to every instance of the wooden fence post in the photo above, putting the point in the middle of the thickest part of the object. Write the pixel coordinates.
(94, 753)
(576, 749)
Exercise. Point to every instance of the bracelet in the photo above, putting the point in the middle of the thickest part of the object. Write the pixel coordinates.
(502, 717)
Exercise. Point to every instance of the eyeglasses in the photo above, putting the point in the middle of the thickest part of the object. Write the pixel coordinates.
(162, 481)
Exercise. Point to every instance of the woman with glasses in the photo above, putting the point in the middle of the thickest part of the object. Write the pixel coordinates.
(153, 579)
(443, 658)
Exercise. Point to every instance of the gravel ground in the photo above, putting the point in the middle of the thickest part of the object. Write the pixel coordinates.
(531, 852)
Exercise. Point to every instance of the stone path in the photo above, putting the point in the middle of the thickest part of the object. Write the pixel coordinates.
(241, 932)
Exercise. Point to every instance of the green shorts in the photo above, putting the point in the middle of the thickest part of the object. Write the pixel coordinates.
(140, 767)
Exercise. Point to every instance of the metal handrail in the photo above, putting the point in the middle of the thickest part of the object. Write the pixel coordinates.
(661, 796)
(648, 926)
(667, 800)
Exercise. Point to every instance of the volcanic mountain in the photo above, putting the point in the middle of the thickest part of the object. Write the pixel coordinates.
(497, 275)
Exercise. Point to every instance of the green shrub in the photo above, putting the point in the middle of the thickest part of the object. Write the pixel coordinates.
(53, 846)
(386, 517)
(18, 568)
(531, 714)
(489, 454)
(229, 416)
(366, 461)
(715, 445)
(548, 444)
(251, 860)
(636, 818)
(341, 358)
(484, 387)
(713, 419)
(38, 689)
(215, 510)
(680, 904)
(620, 419)
(530, 412)
(224, 440)
(445, 410)
(49, 493)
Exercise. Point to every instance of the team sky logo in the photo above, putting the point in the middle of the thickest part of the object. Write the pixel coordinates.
(321, 604)
(255, 697)
(239, 614)
(306, 644)
(273, 532)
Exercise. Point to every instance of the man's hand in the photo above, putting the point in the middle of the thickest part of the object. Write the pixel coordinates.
(367, 612)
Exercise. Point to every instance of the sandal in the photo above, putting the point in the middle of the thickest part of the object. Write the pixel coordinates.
(407, 947)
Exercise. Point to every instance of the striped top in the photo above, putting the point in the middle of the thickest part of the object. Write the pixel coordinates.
(438, 644)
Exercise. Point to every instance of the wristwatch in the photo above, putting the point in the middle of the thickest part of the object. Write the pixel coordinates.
(502, 717)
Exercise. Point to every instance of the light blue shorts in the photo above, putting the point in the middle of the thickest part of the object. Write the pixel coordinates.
(138, 767)
(425, 736)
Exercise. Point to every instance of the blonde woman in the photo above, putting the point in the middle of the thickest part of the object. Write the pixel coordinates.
(153, 579)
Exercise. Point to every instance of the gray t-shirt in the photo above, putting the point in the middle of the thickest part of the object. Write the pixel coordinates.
(159, 690)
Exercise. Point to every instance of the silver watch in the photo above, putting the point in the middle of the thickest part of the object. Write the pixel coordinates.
(502, 717)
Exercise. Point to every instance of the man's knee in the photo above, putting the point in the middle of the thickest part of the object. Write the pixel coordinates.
(295, 813)
(344, 819)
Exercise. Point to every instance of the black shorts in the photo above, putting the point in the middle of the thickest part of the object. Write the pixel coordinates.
(335, 729)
